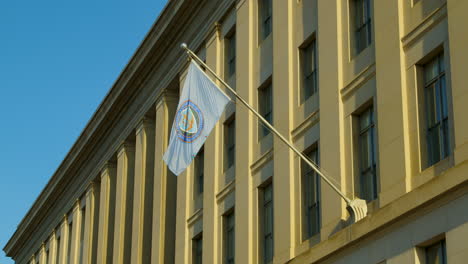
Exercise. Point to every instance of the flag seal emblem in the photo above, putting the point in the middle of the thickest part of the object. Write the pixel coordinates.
(189, 122)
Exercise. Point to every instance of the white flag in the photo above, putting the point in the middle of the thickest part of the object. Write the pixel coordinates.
(200, 106)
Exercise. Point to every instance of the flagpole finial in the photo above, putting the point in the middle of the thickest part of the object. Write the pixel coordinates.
(183, 46)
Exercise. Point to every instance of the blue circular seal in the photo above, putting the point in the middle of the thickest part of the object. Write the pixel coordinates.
(189, 122)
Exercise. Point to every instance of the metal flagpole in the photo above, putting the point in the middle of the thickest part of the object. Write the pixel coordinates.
(351, 203)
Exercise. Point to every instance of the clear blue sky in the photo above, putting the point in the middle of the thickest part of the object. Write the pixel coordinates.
(57, 61)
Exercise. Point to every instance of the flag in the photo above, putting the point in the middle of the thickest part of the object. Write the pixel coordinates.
(201, 105)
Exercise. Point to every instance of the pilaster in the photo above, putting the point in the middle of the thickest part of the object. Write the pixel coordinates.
(90, 239)
(165, 185)
(143, 192)
(106, 213)
(124, 203)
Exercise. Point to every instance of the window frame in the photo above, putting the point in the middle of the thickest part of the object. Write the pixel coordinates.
(305, 75)
(441, 104)
(230, 46)
(199, 172)
(361, 21)
(229, 147)
(265, 107)
(308, 176)
(229, 229)
(266, 230)
(265, 20)
(197, 249)
(363, 173)
(443, 248)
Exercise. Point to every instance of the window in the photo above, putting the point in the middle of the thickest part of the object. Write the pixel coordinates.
(230, 143)
(199, 171)
(230, 54)
(265, 98)
(436, 253)
(197, 250)
(435, 92)
(311, 196)
(82, 232)
(309, 71)
(57, 252)
(265, 11)
(229, 238)
(70, 240)
(267, 224)
(362, 24)
(367, 162)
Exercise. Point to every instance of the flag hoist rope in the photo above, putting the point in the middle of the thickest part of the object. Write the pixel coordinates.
(349, 202)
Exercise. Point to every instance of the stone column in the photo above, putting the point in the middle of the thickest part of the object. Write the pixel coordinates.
(91, 224)
(62, 246)
(283, 182)
(52, 248)
(106, 214)
(392, 105)
(143, 192)
(245, 122)
(458, 42)
(165, 186)
(331, 144)
(42, 254)
(75, 234)
(124, 203)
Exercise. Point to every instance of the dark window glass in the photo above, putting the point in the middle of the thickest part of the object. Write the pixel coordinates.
(229, 238)
(367, 152)
(230, 143)
(309, 71)
(231, 54)
(311, 195)
(362, 24)
(438, 144)
(197, 250)
(265, 98)
(199, 171)
(266, 18)
(70, 234)
(436, 254)
(57, 252)
(268, 223)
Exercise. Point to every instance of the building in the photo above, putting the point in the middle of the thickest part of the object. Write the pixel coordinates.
(374, 91)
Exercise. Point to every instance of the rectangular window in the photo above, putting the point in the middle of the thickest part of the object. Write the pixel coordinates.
(311, 196)
(435, 92)
(199, 171)
(229, 238)
(267, 224)
(436, 253)
(70, 240)
(230, 54)
(309, 71)
(367, 152)
(230, 143)
(57, 252)
(362, 24)
(82, 232)
(265, 21)
(197, 250)
(265, 98)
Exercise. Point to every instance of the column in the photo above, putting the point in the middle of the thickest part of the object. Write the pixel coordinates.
(143, 192)
(42, 254)
(91, 223)
(62, 245)
(75, 234)
(124, 203)
(392, 131)
(458, 43)
(53, 248)
(246, 43)
(283, 182)
(165, 185)
(106, 214)
(331, 144)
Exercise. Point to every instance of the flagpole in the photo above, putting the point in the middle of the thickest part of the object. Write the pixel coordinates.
(351, 203)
